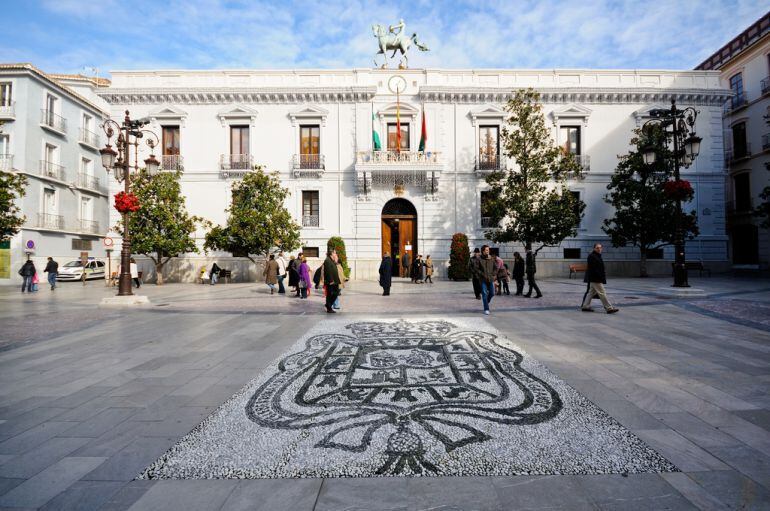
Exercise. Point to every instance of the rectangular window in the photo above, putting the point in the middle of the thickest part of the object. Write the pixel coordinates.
(86, 208)
(742, 192)
(571, 253)
(171, 141)
(393, 136)
(740, 148)
(85, 245)
(488, 217)
(570, 139)
(736, 85)
(310, 208)
(310, 251)
(86, 166)
(239, 140)
(49, 201)
(576, 209)
(50, 109)
(50, 153)
(309, 146)
(5, 145)
(88, 122)
(6, 89)
(489, 147)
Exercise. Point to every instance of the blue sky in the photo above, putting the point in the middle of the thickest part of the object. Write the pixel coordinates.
(70, 35)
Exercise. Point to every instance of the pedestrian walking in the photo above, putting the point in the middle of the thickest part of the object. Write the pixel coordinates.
(52, 269)
(518, 273)
(596, 277)
(417, 270)
(485, 268)
(386, 272)
(428, 269)
(303, 277)
(331, 279)
(271, 273)
(502, 277)
(473, 262)
(294, 265)
(27, 271)
(134, 269)
(405, 264)
(341, 272)
(214, 274)
(530, 265)
(281, 272)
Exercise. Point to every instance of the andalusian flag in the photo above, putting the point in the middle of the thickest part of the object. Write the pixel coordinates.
(424, 133)
(398, 125)
(375, 137)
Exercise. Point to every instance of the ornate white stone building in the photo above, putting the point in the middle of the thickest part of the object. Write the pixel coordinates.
(315, 127)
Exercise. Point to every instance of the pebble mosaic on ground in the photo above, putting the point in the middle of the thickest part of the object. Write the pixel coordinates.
(401, 398)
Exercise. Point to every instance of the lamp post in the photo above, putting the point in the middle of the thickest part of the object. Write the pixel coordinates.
(678, 130)
(130, 132)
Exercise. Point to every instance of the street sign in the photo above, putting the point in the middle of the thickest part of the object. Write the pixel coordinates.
(29, 247)
(108, 242)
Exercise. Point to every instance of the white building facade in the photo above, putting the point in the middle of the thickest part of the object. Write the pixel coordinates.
(50, 134)
(315, 127)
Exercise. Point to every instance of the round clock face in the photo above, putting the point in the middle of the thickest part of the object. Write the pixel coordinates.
(397, 84)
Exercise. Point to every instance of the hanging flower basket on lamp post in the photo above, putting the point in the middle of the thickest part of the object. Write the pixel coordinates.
(126, 202)
(679, 190)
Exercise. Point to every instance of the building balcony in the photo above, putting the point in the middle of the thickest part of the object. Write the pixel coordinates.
(764, 85)
(88, 182)
(736, 103)
(88, 226)
(733, 156)
(52, 170)
(6, 162)
(171, 162)
(52, 222)
(486, 164)
(766, 142)
(308, 165)
(581, 159)
(53, 121)
(392, 169)
(488, 222)
(8, 112)
(89, 139)
(310, 221)
(398, 158)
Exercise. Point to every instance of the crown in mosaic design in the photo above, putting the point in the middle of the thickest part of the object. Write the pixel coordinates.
(401, 328)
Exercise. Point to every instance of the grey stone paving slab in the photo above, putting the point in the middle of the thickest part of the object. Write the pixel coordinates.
(472, 493)
(127, 463)
(185, 496)
(32, 437)
(733, 489)
(692, 491)
(697, 431)
(759, 417)
(746, 460)
(543, 492)
(38, 459)
(7, 484)
(47, 484)
(379, 494)
(29, 420)
(637, 492)
(127, 495)
(274, 495)
(84, 496)
(100, 423)
(687, 456)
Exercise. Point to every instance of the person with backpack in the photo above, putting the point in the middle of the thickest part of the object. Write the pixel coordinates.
(52, 269)
(27, 271)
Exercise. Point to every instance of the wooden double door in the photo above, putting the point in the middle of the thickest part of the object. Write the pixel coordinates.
(399, 239)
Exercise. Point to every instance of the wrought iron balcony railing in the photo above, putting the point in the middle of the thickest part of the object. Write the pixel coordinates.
(235, 162)
(8, 111)
(87, 181)
(6, 162)
(309, 162)
(766, 141)
(89, 226)
(583, 160)
(89, 138)
(736, 155)
(171, 162)
(47, 221)
(310, 221)
(52, 170)
(736, 102)
(486, 163)
(764, 85)
(53, 120)
(398, 157)
(488, 222)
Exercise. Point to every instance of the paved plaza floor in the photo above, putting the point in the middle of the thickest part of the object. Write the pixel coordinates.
(133, 408)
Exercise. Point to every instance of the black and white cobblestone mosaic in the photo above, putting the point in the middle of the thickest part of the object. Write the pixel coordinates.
(419, 397)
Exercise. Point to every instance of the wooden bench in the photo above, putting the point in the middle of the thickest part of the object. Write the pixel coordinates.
(693, 265)
(577, 268)
(226, 274)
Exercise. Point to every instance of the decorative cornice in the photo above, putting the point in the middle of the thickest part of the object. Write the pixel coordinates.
(285, 95)
(309, 112)
(449, 94)
(571, 111)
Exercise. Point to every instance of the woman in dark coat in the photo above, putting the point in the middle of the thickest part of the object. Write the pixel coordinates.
(386, 272)
(518, 273)
(294, 272)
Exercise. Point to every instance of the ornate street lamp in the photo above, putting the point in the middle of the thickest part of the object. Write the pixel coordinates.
(678, 130)
(130, 132)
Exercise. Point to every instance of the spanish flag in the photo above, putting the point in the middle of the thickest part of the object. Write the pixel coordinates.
(398, 125)
(424, 133)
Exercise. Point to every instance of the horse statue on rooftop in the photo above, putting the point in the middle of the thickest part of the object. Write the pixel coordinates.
(394, 38)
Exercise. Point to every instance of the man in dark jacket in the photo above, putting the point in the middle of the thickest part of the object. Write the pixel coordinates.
(476, 283)
(27, 271)
(331, 281)
(52, 269)
(406, 264)
(531, 268)
(596, 277)
(518, 273)
(386, 272)
(485, 270)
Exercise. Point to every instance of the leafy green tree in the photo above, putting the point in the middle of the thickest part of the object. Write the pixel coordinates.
(338, 244)
(644, 215)
(532, 197)
(161, 229)
(12, 188)
(459, 258)
(257, 220)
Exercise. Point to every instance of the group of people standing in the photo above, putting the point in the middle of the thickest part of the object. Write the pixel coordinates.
(29, 278)
(420, 270)
(330, 276)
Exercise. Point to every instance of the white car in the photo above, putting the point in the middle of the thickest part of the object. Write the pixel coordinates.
(73, 270)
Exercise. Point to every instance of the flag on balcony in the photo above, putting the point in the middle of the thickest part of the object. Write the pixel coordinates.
(375, 137)
(423, 134)
(398, 125)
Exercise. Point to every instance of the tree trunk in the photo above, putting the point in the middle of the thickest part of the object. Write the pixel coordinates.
(643, 263)
(159, 274)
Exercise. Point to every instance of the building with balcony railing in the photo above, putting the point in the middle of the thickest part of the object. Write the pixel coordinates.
(308, 165)
(171, 162)
(61, 165)
(310, 220)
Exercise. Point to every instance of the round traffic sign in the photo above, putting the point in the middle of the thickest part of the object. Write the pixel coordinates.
(30, 245)
(108, 241)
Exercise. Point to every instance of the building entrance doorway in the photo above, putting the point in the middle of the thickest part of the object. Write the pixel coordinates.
(399, 234)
